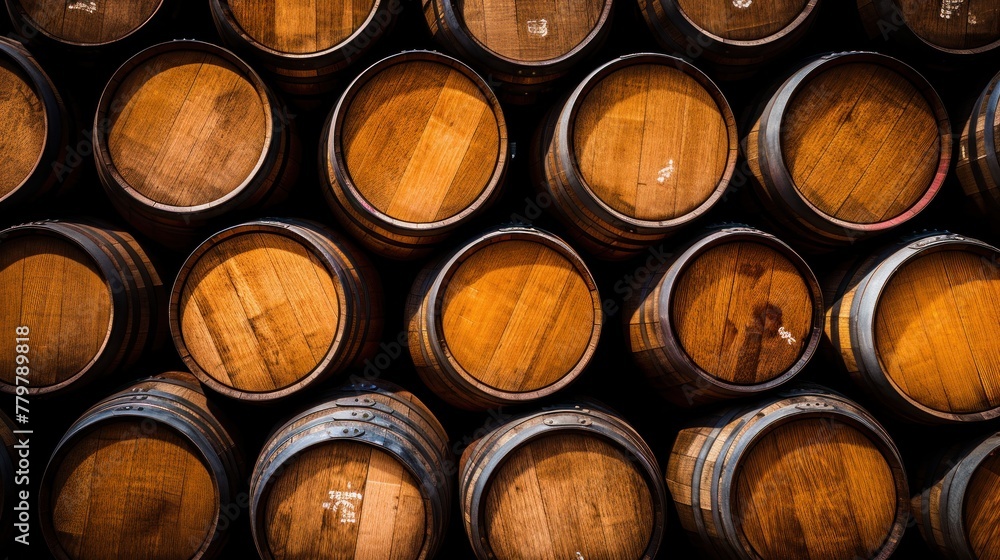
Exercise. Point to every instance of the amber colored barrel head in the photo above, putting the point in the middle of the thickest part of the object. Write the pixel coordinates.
(936, 331)
(742, 20)
(88, 22)
(25, 120)
(953, 25)
(982, 508)
(299, 27)
(531, 30)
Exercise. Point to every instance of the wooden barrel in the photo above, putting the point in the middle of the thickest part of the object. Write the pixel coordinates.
(270, 307)
(828, 148)
(8, 489)
(82, 24)
(733, 313)
(509, 317)
(978, 165)
(804, 474)
(570, 481)
(34, 157)
(145, 473)
(943, 28)
(88, 296)
(365, 474)
(301, 46)
(957, 509)
(400, 188)
(916, 325)
(186, 132)
(644, 145)
(523, 44)
(734, 36)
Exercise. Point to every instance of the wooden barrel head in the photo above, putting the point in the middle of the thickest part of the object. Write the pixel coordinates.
(953, 25)
(259, 311)
(849, 132)
(651, 142)
(743, 312)
(982, 508)
(57, 290)
(186, 127)
(518, 316)
(441, 152)
(531, 30)
(814, 488)
(89, 23)
(742, 20)
(132, 489)
(936, 331)
(568, 495)
(344, 500)
(23, 113)
(300, 27)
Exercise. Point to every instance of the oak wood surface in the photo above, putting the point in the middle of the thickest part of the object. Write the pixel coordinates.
(982, 509)
(977, 163)
(25, 119)
(530, 30)
(88, 22)
(953, 25)
(740, 20)
(300, 27)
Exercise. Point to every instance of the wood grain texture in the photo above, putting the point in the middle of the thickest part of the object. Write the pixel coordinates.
(651, 142)
(937, 329)
(529, 515)
(741, 21)
(977, 162)
(982, 514)
(530, 30)
(300, 27)
(800, 498)
(953, 25)
(24, 116)
(87, 22)
(848, 134)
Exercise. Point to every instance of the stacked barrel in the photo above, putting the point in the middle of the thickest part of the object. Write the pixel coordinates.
(499, 279)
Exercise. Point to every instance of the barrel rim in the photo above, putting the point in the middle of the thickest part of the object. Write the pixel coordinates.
(275, 226)
(887, 8)
(567, 122)
(19, 13)
(108, 172)
(337, 173)
(433, 319)
(717, 238)
(691, 28)
(771, 151)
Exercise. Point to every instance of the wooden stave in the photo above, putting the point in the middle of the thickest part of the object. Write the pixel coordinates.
(378, 232)
(423, 453)
(44, 178)
(722, 539)
(522, 80)
(856, 350)
(734, 59)
(939, 507)
(669, 369)
(136, 294)
(360, 282)
(873, 12)
(196, 424)
(435, 365)
(600, 229)
(269, 183)
(484, 456)
(978, 165)
(772, 182)
(31, 32)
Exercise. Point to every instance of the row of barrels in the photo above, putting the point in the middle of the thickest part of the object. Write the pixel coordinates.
(273, 307)
(369, 473)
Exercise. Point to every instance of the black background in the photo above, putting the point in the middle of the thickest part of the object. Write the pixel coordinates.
(610, 377)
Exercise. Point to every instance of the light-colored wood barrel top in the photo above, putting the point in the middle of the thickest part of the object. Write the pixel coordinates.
(530, 30)
(191, 128)
(568, 495)
(292, 26)
(421, 141)
(517, 315)
(259, 311)
(743, 312)
(861, 142)
(90, 22)
(128, 490)
(815, 489)
(24, 118)
(345, 500)
(959, 25)
(936, 331)
(651, 142)
(55, 289)
(742, 20)
(982, 509)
